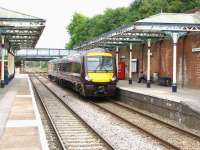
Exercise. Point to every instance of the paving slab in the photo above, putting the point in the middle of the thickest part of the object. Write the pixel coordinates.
(25, 137)
(20, 122)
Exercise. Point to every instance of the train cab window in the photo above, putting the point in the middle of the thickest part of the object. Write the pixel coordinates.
(100, 64)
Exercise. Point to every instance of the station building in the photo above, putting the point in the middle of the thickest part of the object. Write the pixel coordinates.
(188, 60)
(188, 53)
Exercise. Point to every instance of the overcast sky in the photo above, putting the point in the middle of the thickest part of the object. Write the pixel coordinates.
(58, 14)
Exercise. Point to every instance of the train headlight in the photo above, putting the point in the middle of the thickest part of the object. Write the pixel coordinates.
(114, 78)
(87, 78)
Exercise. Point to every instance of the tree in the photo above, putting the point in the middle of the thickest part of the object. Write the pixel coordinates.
(77, 29)
(83, 28)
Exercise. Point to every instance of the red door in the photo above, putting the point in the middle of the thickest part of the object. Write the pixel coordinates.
(121, 71)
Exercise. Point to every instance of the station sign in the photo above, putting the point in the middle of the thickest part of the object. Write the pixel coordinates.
(196, 50)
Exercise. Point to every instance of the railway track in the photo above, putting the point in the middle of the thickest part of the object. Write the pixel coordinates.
(52, 137)
(169, 135)
(71, 130)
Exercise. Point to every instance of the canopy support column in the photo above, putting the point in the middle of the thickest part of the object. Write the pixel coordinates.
(175, 36)
(2, 60)
(117, 58)
(175, 39)
(130, 63)
(148, 63)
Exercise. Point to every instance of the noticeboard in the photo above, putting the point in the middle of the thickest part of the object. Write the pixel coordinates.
(134, 65)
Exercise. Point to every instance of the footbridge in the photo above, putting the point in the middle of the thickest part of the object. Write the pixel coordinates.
(43, 54)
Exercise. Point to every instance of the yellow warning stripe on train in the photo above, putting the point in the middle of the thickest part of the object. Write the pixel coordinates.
(99, 54)
(100, 77)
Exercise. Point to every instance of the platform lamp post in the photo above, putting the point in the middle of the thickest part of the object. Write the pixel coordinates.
(2, 60)
(117, 58)
(130, 63)
(148, 63)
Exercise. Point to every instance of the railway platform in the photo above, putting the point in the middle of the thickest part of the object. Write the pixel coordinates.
(20, 122)
(183, 106)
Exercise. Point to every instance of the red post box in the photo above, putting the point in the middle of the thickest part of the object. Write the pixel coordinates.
(121, 71)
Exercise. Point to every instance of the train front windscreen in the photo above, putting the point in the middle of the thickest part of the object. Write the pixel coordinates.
(99, 64)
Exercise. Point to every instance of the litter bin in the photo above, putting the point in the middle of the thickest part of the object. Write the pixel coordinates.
(155, 77)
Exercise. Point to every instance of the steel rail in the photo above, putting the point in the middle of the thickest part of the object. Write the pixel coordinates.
(158, 120)
(49, 117)
(165, 143)
(148, 117)
(76, 115)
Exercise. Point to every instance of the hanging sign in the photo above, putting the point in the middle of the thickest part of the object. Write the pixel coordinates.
(196, 50)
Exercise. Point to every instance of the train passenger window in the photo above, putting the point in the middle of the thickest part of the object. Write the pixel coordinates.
(65, 67)
(60, 67)
(54, 67)
(76, 68)
(68, 67)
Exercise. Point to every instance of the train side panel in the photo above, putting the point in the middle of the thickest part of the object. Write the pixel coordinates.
(73, 72)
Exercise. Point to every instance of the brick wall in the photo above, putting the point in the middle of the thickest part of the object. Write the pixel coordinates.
(192, 60)
(188, 62)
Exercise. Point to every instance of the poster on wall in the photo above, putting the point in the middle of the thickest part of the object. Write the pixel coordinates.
(134, 65)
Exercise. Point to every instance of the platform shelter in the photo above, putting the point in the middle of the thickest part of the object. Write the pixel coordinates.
(17, 31)
(166, 44)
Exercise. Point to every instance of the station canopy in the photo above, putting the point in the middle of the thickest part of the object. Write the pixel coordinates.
(158, 26)
(21, 30)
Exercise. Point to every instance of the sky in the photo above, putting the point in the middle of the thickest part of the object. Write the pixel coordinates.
(58, 14)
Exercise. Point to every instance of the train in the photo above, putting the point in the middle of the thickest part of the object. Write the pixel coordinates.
(91, 73)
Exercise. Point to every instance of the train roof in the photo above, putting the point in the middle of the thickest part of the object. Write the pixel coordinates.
(76, 57)
(95, 50)
(53, 60)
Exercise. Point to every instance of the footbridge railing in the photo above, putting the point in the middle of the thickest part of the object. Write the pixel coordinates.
(43, 53)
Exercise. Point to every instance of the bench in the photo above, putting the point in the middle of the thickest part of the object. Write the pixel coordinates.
(165, 81)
